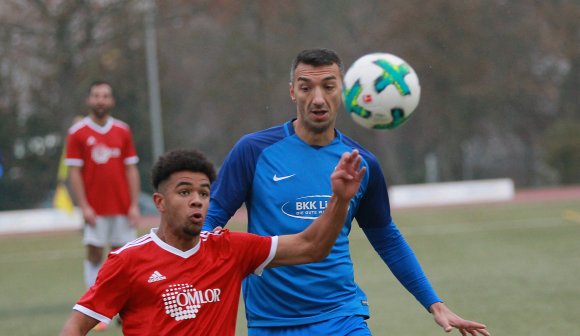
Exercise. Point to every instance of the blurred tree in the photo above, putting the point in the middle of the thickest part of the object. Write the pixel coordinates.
(561, 144)
(495, 75)
(53, 50)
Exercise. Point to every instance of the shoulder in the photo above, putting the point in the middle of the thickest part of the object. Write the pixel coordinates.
(78, 126)
(120, 124)
(367, 155)
(249, 147)
(136, 246)
(221, 235)
(230, 238)
(262, 138)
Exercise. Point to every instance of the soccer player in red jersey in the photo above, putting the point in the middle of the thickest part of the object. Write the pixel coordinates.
(178, 280)
(104, 177)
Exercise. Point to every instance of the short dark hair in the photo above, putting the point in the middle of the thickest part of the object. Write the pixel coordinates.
(99, 83)
(316, 57)
(181, 160)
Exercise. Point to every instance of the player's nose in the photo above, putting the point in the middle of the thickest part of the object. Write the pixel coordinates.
(318, 97)
(195, 200)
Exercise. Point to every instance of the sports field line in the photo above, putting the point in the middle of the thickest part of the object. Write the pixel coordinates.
(487, 226)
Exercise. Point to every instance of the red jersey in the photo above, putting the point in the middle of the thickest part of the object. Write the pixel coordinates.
(160, 290)
(103, 152)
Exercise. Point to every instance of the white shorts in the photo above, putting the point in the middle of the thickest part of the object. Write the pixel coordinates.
(109, 230)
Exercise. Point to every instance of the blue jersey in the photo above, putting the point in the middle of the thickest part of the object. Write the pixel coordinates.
(285, 184)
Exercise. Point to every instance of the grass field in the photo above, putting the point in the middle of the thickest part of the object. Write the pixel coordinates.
(513, 266)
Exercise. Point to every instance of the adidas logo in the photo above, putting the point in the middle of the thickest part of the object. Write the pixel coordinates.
(156, 276)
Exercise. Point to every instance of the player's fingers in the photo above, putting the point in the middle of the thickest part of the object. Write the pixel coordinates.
(351, 156)
(343, 175)
(357, 160)
(354, 162)
(484, 332)
(344, 158)
(472, 325)
(361, 173)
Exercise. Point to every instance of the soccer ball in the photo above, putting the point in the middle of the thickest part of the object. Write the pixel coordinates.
(381, 91)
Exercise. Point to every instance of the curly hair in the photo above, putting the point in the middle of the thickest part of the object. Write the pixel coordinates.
(181, 160)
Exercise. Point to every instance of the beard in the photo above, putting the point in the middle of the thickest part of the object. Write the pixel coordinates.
(191, 232)
(317, 127)
(100, 111)
(310, 124)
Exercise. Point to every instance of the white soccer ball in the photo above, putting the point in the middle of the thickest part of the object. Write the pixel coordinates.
(381, 91)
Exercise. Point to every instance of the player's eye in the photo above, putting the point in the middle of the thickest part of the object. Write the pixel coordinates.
(183, 192)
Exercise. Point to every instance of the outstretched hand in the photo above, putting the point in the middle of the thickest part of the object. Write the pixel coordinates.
(448, 320)
(346, 178)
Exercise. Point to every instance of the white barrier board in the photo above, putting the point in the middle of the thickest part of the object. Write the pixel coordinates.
(39, 220)
(465, 192)
(432, 194)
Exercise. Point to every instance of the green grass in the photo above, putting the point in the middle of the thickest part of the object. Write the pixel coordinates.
(512, 266)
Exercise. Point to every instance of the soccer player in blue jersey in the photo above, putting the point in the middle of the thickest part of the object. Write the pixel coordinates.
(281, 175)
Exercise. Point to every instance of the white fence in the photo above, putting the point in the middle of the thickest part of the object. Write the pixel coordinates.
(39, 220)
(431, 194)
(465, 192)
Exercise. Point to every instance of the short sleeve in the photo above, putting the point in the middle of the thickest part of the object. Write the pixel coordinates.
(74, 155)
(130, 153)
(109, 293)
(253, 252)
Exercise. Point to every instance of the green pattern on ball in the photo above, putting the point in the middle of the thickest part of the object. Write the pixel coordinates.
(393, 74)
(351, 101)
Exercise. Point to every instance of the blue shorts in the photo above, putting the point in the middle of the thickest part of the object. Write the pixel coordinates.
(338, 326)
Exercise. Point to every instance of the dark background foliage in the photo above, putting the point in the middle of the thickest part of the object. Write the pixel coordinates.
(499, 81)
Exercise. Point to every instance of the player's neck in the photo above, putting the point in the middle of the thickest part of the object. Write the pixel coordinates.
(99, 120)
(314, 138)
(180, 242)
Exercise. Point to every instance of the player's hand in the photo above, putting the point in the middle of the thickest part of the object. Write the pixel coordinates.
(448, 320)
(346, 178)
(89, 216)
(134, 215)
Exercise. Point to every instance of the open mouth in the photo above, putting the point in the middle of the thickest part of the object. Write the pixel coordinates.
(319, 113)
(196, 217)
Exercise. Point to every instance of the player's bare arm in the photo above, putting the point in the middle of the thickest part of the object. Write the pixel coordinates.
(134, 189)
(316, 241)
(78, 187)
(78, 324)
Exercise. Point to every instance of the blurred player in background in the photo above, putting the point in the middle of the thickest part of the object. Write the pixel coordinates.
(104, 178)
(280, 174)
(177, 280)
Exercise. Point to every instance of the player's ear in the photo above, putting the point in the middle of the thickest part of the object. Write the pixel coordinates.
(292, 96)
(159, 201)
